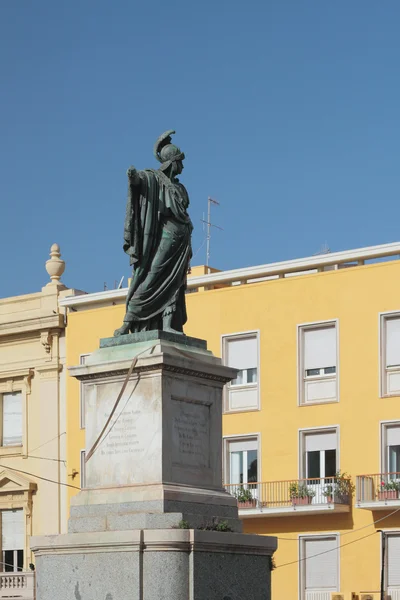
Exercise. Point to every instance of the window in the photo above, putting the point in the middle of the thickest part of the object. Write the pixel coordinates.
(241, 463)
(319, 461)
(318, 363)
(12, 539)
(319, 567)
(82, 361)
(241, 352)
(320, 454)
(390, 328)
(11, 419)
(393, 564)
(391, 450)
(83, 469)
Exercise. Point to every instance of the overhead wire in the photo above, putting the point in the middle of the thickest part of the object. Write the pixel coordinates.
(101, 437)
(48, 441)
(40, 477)
(305, 558)
(353, 530)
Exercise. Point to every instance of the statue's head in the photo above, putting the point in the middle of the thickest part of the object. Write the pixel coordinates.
(170, 156)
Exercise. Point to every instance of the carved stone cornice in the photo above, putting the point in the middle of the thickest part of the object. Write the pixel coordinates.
(163, 367)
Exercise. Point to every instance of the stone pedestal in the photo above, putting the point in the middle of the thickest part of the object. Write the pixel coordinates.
(157, 467)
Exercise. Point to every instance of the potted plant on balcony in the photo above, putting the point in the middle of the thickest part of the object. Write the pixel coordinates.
(389, 490)
(300, 493)
(245, 498)
(340, 490)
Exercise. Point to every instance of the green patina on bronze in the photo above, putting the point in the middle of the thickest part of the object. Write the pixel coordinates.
(157, 238)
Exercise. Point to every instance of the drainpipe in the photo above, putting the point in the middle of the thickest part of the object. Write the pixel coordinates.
(383, 542)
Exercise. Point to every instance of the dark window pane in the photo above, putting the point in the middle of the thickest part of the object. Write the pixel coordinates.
(313, 464)
(330, 463)
(394, 461)
(8, 560)
(20, 554)
(329, 370)
(251, 375)
(251, 465)
(239, 379)
(312, 372)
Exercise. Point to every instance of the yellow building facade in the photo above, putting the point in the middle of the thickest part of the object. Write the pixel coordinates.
(33, 470)
(314, 410)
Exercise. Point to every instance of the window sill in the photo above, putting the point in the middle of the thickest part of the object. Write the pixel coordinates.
(318, 402)
(243, 386)
(313, 378)
(393, 395)
(11, 450)
(233, 411)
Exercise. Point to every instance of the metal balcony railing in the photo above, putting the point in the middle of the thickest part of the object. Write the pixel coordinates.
(18, 585)
(293, 492)
(378, 487)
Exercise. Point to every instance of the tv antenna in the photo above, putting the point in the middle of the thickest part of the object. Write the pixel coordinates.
(323, 250)
(209, 225)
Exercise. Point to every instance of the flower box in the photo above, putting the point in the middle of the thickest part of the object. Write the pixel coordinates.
(388, 495)
(247, 504)
(302, 501)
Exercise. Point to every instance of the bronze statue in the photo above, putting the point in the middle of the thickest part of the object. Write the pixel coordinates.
(157, 238)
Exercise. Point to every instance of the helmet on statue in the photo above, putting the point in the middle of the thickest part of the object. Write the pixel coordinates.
(165, 152)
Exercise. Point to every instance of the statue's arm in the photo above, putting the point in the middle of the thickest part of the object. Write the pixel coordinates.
(134, 177)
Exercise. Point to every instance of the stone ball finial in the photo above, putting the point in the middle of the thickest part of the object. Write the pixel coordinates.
(55, 266)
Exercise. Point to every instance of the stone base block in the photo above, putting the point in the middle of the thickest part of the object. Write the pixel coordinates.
(117, 521)
(158, 564)
(151, 507)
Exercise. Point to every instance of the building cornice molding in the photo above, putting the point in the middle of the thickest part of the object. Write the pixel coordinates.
(317, 262)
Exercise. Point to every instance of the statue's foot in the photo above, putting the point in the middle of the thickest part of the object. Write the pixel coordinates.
(172, 330)
(122, 330)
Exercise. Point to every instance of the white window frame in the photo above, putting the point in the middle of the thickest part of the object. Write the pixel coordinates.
(383, 447)
(18, 381)
(246, 437)
(301, 379)
(15, 555)
(82, 423)
(302, 445)
(302, 563)
(82, 469)
(383, 371)
(19, 444)
(255, 386)
(387, 533)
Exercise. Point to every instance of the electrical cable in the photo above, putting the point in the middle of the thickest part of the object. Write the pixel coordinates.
(100, 439)
(48, 441)
(353, 530)
(39, 477)
(325, 551)
(45, 458)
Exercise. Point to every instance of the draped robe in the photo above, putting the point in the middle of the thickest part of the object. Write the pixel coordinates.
(157, 237)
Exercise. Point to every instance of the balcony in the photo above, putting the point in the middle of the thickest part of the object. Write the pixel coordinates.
(380, 491)
(18, 586)
(292, 497)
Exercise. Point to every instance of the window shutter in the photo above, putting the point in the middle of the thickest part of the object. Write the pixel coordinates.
(392, 342)
(393, 543)
(321, 571)
(235, 467)
(319, 348)
(242, 353)
(12, 530)
(321, 441)
(242, 445)
(12, 419)
(393, 436)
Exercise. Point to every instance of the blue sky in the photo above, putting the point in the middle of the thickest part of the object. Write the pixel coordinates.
(287, 111)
